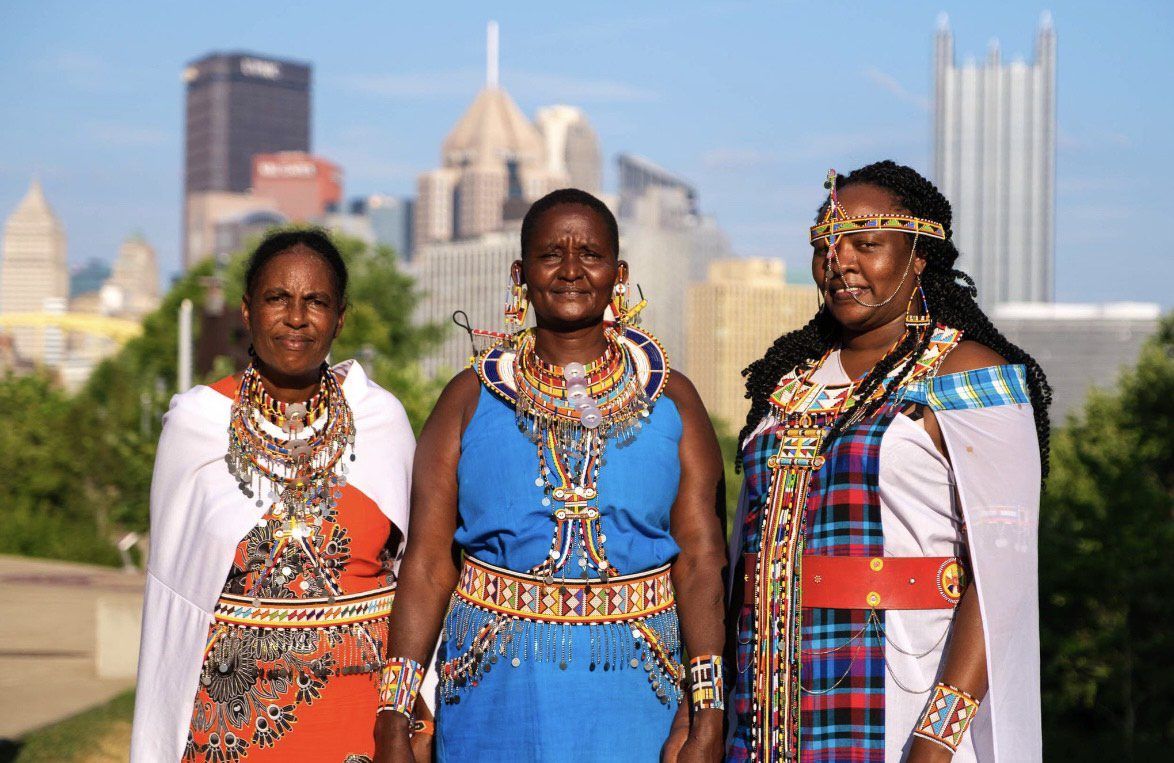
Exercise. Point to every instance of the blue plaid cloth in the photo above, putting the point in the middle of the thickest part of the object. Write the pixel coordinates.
(842, 710)
(980, 388)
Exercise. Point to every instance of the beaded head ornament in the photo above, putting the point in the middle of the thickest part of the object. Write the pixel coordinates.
(837, 222)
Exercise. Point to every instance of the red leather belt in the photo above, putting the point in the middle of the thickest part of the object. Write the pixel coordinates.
(874, 582)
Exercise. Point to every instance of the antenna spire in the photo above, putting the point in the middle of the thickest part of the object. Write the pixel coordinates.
(491, 63)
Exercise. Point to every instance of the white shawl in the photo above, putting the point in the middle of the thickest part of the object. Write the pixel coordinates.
(198, 518)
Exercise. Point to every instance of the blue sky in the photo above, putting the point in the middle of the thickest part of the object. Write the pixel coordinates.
(752, 101)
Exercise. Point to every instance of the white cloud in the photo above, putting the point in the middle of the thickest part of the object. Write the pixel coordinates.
(81, 70)
(734, 158)
(438, 84)
(889, 83)
(464, 83)
(118, 134)
(1093, 139)
(556, 87)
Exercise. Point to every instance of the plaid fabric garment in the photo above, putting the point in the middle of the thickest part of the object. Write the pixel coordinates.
(843, 659)
(757, 484)
(980, 388)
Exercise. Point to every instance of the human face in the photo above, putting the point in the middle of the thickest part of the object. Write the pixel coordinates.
(871, 266)
(569, 268)
(293, 315)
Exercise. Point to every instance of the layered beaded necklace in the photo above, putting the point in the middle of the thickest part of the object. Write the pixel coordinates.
(296, 451)
(571, 413)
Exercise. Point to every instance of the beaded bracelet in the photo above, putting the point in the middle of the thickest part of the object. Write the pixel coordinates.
(400, 685)
(707, 687)
(947, 716)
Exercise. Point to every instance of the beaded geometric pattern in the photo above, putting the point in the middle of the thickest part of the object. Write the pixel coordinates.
(624, 598)
(402, 679)
(869, 223)
(707, 687)
(305, 613)
(947, 716)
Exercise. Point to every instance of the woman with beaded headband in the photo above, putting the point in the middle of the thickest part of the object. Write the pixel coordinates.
(279, 506)
(566, 542)
(884, 593)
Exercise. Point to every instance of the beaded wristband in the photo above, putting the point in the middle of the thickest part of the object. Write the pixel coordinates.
(707, 687)
(400, 685)
(947, 716)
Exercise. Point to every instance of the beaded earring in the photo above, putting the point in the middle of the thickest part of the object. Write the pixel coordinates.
(626, 315)
(913, 320)
(516, 304)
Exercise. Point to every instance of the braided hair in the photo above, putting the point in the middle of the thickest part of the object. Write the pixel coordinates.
(951, 297)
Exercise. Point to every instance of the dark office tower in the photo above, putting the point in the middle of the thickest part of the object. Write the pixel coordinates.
(239, 105)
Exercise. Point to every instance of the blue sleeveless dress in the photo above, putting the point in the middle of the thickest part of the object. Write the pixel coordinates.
(560, 693)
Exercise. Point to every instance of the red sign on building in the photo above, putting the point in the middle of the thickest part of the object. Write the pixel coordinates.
(303, 186)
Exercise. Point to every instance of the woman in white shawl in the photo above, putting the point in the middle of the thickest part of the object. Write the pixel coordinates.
(278, 515)
(885, 600)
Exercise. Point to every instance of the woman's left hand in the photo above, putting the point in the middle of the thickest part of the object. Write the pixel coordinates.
(700, 742)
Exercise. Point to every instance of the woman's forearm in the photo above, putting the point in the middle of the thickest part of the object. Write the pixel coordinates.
(965, 663)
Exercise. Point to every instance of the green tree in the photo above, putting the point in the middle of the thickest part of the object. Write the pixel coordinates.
(1105, 549)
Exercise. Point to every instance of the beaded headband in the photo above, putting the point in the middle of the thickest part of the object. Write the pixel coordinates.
(836, 221)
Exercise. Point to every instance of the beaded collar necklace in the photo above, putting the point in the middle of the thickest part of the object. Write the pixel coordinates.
(300, 458)
(604, 397)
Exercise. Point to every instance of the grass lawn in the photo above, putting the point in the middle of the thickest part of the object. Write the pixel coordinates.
(99, 735)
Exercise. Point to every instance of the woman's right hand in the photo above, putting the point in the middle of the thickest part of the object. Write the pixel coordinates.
(393, 742)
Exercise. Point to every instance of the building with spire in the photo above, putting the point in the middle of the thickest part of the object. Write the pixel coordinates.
(493, 156)
(995, 160)
(34, 277)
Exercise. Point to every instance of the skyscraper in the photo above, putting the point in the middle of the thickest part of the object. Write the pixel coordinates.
(33, 272)
(733, 317)
(494, 155)
(638, 175)
(132, 290)
(240, 105)
(995, 159)
(572, 147)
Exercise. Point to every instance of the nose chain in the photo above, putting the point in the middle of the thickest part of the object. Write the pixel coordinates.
(828, 274)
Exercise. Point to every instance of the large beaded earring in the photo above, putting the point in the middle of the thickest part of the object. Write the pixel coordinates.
(625, 314)
(914, 320)
(516, 304)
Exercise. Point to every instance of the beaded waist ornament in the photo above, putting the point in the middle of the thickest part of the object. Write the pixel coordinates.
(571, 414)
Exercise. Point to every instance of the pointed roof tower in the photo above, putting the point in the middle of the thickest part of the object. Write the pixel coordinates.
(494, 128)
(34, 208)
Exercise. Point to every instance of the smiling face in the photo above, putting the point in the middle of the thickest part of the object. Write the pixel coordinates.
(293, 313)
(868, 266)
(569, 267)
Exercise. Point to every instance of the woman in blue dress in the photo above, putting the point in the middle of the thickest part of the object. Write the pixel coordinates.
(566, 540)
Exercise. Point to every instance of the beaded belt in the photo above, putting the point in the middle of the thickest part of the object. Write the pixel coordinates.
(578, 601)
(305, 613)
(875, 582)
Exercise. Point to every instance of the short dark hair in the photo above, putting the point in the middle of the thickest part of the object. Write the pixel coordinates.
(568, 196)
(314, 239)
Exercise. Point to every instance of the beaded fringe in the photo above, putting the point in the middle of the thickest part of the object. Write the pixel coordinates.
(651, 644)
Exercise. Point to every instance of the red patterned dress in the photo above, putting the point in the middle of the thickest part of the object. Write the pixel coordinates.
(291, 668)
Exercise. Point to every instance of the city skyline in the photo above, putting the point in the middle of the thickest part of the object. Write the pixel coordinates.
(716, 99)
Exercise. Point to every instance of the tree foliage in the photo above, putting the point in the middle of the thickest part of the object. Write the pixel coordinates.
(1105, 548)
